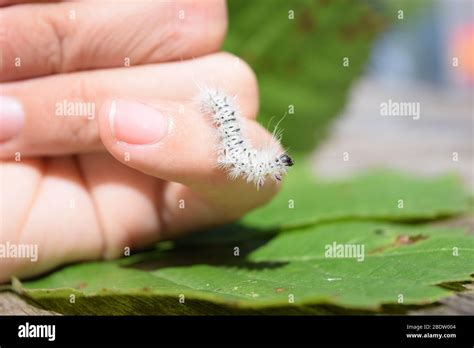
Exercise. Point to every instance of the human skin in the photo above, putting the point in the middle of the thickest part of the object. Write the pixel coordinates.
(85, 188)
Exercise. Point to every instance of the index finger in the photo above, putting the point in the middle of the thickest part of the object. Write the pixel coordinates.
(43, 39)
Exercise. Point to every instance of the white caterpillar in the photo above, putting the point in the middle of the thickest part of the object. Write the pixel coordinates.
(235, 152)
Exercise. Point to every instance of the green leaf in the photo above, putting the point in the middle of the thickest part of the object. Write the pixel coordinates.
(371, 195)
(379, 194)
(398, 260)
(298, 61)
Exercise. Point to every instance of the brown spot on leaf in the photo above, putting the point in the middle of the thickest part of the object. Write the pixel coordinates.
(407, 240)
(369, 23)
(279, 289)
(402, 239)
(349, 32)
(306, 22)
(81, 285)
(291, 66)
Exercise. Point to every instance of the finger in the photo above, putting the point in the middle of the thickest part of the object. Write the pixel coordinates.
(57, 114)
(43, 39)
(16, 2)
(18, 184)
(71, 209)
(182, 149)
(58, 187)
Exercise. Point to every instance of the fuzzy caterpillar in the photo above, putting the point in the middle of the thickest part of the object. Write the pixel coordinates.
(235, 152)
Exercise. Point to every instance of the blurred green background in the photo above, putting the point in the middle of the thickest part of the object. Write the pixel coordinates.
(298, 58)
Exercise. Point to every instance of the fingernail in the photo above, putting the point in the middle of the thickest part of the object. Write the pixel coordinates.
(12, 118)
(137, 123)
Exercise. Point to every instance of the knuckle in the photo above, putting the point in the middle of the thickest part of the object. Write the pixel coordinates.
(51, 49)
(56, 28)
(37, 41)
(80, 129)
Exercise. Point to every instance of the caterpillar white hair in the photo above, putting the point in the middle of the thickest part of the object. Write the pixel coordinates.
(235, 151)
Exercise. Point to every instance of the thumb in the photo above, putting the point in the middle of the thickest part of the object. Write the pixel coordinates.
(167, 143)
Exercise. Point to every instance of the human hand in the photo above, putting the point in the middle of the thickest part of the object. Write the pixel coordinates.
(88, 187)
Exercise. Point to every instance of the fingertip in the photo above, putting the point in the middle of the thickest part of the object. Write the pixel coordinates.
(12, 118)
(134, 133)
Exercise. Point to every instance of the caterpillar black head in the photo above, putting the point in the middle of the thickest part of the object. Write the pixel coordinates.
(286, 160)
(282, 161)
